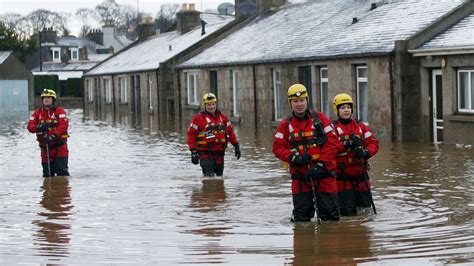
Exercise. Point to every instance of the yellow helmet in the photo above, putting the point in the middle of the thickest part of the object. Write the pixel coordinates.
(209, 98)
(297, 91)
(342, 98)
(48, 93)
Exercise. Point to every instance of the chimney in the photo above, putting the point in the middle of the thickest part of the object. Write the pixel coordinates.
(373, 6)
(268, 5)
(96, 36)
(85, 53)
(203, 27)
(354, 20)
(49, 35)
(187, 18)
(147, 28)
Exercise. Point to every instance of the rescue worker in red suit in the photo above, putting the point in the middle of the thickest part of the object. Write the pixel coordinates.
(50, 123)
(208, 136)
(358, 145)
(307, 141)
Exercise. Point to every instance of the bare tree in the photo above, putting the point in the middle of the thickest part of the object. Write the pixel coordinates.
(166, 17)
(86, 16)
(42, 18)
(108, 10)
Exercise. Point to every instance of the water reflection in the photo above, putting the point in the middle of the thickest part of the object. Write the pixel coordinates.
(330, 244)
(54, 229)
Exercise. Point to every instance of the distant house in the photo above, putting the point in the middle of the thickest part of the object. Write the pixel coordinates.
(70, 56)
(447, 78)
(139, 80)
(16, 86)
(333, 46)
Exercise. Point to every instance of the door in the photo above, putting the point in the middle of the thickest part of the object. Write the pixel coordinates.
(13, 97)
(304, 77)
(437, 105)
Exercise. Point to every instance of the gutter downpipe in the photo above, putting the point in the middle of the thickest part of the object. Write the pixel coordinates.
(392, 95)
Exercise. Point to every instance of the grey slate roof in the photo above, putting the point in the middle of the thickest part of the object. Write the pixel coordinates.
(149, 54)
(324, 29)
(4, 55)
(460, 35)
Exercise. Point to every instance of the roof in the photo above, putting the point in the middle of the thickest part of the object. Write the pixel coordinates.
(324, 29)
(149, 54)
(62, 75)
(4, 55)
(459, 36)
(72, 41)
(72, 66)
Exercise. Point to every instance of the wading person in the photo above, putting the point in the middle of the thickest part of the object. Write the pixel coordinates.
(208, 136)
(358, 145)
(50, 123)
(307, 141)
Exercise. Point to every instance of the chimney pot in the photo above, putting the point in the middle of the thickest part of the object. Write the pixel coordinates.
(354, 20)
(373, 6)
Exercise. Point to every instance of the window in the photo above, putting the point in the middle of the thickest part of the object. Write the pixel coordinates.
(90, 90)
(108, 90)
(150, 92)
(278, 98)
(324, 85)
(192, 88)
(56, 53)
(362, 94)
(466, 91)
(74, 54)
(235, 82)
(123, 90)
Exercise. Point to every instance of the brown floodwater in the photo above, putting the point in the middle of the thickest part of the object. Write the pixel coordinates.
(134, 197)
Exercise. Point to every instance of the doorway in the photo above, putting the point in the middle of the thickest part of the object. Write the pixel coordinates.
(437, 105)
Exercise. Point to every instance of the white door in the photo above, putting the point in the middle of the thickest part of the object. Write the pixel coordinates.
(437, 105)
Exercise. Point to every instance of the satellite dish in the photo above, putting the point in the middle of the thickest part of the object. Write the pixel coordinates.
(248, 9)
(226, 9)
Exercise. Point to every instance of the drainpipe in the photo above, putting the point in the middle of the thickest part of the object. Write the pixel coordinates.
(255, 101)
(392, 94)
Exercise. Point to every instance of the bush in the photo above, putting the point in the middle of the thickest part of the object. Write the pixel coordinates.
(74, 87)
(46, 81)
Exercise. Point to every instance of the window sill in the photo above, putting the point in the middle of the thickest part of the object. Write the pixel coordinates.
(123, 103)
(192, 107)
(235, 119)
(275, 123)
(461, 118)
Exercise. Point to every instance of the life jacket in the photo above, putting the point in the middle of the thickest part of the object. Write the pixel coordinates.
(215, 132)
(52, 122)
(349, 138)
(308, 140)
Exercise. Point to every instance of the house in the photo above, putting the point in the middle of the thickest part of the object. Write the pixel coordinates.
(331, 46)
(447, 79)
(68, 57)
(16, 86)
(138, 81)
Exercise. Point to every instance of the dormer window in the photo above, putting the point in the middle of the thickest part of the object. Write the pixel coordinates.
(74, 54)
(56, 54)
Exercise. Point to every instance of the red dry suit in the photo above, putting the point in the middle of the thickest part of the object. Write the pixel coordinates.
(58, 123)
(209, 134)
(312, 134)
(352, 171)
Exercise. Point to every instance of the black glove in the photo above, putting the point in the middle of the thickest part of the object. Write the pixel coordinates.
(300, 159)
(50, 138)
(237, 150)
(315, 172)
(361, 152)
(354, 141)
(42, 127)
(194, 157)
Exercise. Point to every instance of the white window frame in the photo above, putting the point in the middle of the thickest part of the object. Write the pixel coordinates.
(234, 74)
(192, 87)
(324, 90)
(123, 85)
(90, 90)
(73, 51)
(150, 92)
(108, 89)
(467, 92)
(362, 96)
(277, 87)
(53, 54)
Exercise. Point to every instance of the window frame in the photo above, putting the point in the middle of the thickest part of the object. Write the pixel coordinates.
(53, 56)
(71, 53)
(90, 90)
(470, 91)
(235, 83)
(123, 88)
(192, 89)
(108, 89)
(322, 81)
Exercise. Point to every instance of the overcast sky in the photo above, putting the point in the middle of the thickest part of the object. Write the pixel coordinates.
(24, 7)
(151, 6)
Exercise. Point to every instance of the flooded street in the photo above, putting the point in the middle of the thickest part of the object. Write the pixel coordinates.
(134, 197)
